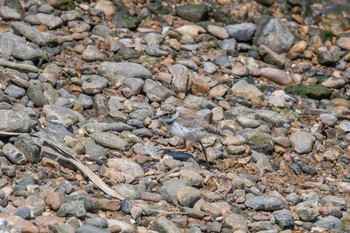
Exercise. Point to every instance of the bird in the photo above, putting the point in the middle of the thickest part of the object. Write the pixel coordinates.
(186, 124)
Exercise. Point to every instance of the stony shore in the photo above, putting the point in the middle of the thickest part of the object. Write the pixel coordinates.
(81, 81)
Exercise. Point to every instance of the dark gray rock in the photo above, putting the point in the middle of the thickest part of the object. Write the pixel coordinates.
(170, 188)
(122, 19)
(153, 38)
(302, 142)
(267, 203)
(25, 52)
(34, 35)
(242, 31)
(101, 31)
(91, 229)
(60, 228)
(97, 222)
(155, 91)
(307, 210)
(262, 162)
(293, 198)
(13, 154)
(90, 205)
(188, 196)
(85, 100)
(7, 45)
(93, 84)
(271, 57)
(154, 50)
(236, 222)
(284, 220)
(9, 171)
(229, 45)
(135, 85)
(326, 57)
(127, 190)
(307, 168)
(35, 94)
(15, 91)
(272, 117)
(60, 115)
(74, 208)
(24, 212)
(128, 167)
(329, 223)
(191, 12)
(126, 206)
(259, 141)
(274, 34)
(329, 119)
(28, 147)
(180, 78)
(8, 13)
(92, 53)
(334, 201)
(121, 71)
(49, 20)
(110, 140)
(163, 225)
(266, 2)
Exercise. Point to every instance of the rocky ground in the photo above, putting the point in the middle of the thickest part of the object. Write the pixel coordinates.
(81, 81)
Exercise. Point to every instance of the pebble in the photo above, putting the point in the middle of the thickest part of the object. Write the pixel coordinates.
(302, 142)
(277, 76)
(156, 91)
(90, 229)
(229, 45)
(329, 119)
(13, 154)
(110, 140)
(329, 223)
(180, 78)
(266, 203)
(49, 20)
(192, 178)
(191, 29)
(14, 121)
(170, 189)
(242, 88)
(217, 31)
(343, 42)
(55, 200)
(162, 224)
(236, 222)
(8, 13)
(272, 33)
(188, 196)
(130, 169)
(284, 219)
(307, 210)
(343, 187)
(72, 208)
(241, 32)
(210, 209)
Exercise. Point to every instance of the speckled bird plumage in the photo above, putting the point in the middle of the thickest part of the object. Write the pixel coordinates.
(185, 123)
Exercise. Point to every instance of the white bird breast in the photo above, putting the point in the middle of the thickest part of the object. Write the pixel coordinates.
(186, 133)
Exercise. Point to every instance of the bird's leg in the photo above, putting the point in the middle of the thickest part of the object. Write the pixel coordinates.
(207, 166)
